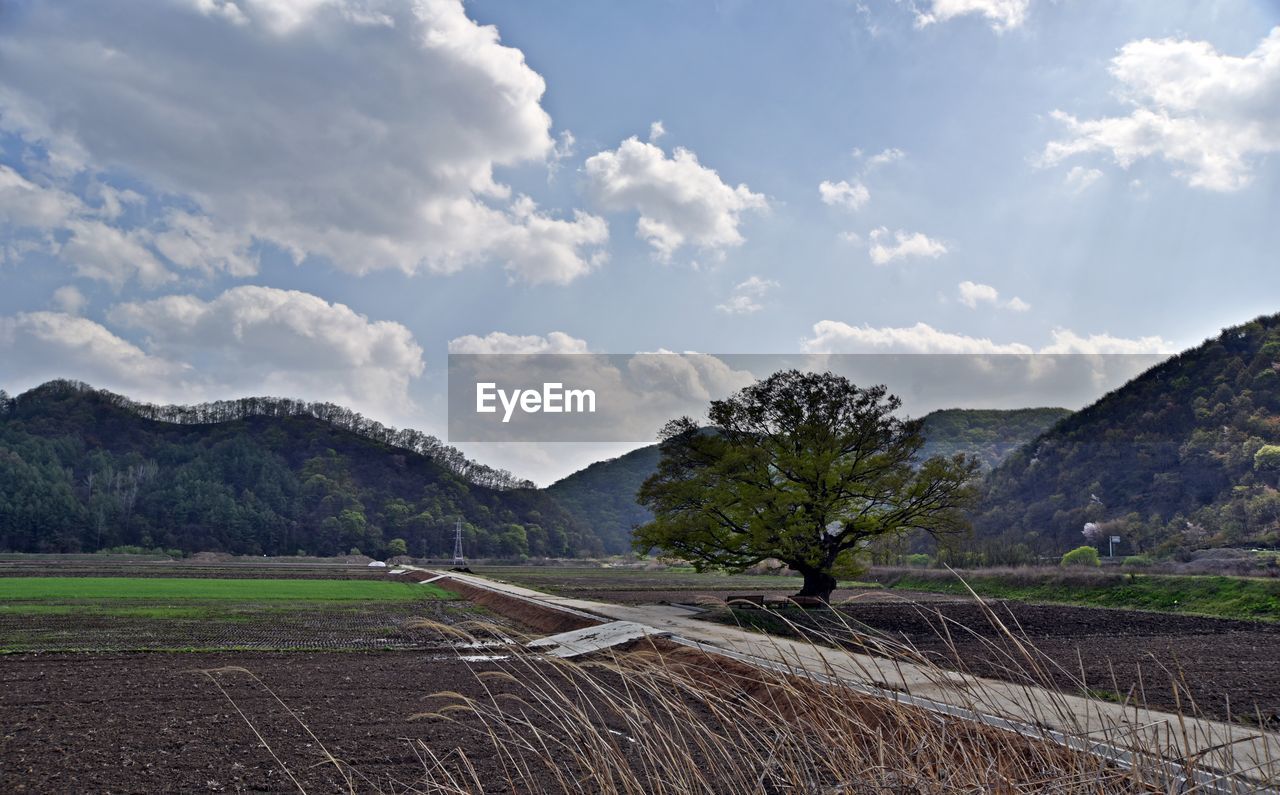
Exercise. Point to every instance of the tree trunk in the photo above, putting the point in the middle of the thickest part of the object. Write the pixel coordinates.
(817, 582)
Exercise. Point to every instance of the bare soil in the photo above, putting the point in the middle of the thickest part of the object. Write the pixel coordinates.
(366, 626)
(155, 723)
(1222, 669)
(256, 722)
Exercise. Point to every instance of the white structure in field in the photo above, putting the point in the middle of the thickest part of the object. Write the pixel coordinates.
(458, 559)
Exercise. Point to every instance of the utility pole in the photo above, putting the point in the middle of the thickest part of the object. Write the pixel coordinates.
(458, 559)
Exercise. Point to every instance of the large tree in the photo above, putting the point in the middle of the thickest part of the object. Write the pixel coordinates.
(804, 468)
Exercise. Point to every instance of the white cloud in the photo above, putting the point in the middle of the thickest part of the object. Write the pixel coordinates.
(227, 9)
(855, 195)
(113, 200)
(833, 336)
(566, 146)
(1079, 178)
(680, 201)
(501, 342)
(656, 131)
(287, 342)
(95, 247)
(364, 131)
(192, 241)
(1067, 341)
(884, 158)
(972, 294)
(682, 383)
(38, 346)
(96, 250)
(1210, 115)
(905, 244)
(1002, 14)
(844, 194)
(24, 204)
(747, 296)
(69, 299)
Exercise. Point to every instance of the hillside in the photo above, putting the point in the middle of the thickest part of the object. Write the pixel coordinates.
(990, 435)
(602, 496)
(85, 469)
(1181, 457)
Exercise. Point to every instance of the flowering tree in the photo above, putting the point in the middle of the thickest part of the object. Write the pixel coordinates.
(1092, 532)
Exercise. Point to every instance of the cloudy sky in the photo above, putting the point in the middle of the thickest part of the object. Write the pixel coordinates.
(321, 198)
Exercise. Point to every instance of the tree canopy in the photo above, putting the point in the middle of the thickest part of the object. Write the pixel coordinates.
(804, 468)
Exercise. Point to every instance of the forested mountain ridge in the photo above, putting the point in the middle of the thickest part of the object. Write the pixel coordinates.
(84, 469)
(1187, 455)
(1184, 456)
(989, 435)
(603, 494)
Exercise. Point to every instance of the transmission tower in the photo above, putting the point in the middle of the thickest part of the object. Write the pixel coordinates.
(458, 558)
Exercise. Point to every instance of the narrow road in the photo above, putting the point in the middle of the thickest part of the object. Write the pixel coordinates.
(1098, 726)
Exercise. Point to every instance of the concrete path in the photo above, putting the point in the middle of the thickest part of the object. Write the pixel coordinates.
(576, 642)
(1097, 726)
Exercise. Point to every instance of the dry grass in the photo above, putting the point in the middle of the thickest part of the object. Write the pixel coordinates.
(658, 717)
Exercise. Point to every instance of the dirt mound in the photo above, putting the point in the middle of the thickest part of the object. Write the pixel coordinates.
(211, 557)
(535, 616)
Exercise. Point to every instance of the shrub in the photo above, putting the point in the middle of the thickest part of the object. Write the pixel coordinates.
(1081, 556)
(1136, 561)
(919, 559)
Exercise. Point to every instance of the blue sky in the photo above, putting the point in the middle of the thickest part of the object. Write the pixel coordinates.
(207, 198)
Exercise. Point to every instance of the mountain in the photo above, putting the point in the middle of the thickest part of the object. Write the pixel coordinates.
(1184, 456)
(85, 469)
(602, 496)
(989, 435)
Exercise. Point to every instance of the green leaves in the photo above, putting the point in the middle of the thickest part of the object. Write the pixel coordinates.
(801, 467)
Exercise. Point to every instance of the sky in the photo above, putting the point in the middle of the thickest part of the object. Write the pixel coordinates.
(203, 199)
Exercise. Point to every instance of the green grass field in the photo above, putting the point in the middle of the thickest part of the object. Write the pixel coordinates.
(64, 589)
(157, 613)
